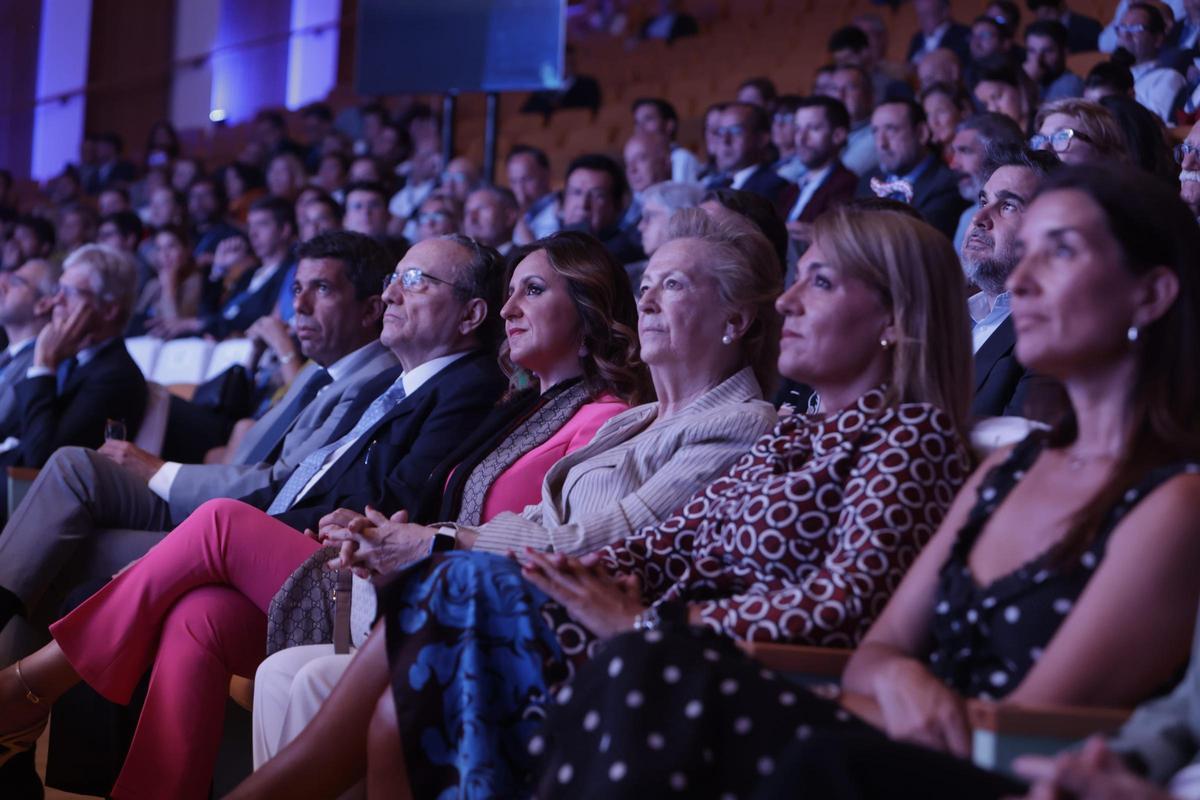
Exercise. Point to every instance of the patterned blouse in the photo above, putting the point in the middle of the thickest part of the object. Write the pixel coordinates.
(987, 638)
(806, 537)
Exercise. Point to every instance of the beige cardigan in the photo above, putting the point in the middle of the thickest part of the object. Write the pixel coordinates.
(633, 473)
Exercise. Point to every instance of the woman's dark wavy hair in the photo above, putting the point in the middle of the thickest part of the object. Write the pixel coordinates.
(600, 291)
(1153, 228)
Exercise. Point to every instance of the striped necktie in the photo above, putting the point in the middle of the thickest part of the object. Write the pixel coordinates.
(315, 460)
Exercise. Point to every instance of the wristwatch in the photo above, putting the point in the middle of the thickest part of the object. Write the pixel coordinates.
(445, 538)
(660, 615)
(648, 620)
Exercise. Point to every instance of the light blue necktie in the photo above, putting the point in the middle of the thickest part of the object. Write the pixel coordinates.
(312, 464)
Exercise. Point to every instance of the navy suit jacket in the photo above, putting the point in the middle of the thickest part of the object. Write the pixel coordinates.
(389, 466)
(766, 182)
(838, 187)
(110, 386)
(1003, 387)
(935, 195)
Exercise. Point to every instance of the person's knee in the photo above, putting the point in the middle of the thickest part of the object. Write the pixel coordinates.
(204, 617)
(72, 461)
(318, 677)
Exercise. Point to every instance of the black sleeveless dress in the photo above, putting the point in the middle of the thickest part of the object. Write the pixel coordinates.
(683, 712)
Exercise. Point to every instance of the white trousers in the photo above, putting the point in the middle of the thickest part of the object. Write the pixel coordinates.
(289, 689)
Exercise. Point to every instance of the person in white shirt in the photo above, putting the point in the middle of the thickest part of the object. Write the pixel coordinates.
(1110, 39)
(852, 86)
(528, 171)
(1142, 32)
(656, 116)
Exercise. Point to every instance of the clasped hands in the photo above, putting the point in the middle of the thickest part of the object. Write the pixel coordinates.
(372, 543)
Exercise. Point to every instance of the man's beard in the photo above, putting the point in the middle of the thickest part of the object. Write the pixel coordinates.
(989, 274)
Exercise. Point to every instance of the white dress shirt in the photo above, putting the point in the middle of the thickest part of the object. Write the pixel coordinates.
(986, 316)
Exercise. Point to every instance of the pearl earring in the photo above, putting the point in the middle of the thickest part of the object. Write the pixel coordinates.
(1133, 333)
(884, 343)
(727, 339)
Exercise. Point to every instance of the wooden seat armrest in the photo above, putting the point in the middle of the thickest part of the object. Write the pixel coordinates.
(22, 473)
(1063, 722)
(817, 661)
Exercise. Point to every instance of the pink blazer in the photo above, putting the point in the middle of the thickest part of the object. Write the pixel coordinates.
(521, 484)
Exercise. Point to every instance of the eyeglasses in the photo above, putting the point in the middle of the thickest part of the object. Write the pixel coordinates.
(1059, 141)
(432, 216)
(1127, 29)
(415, 280)
(1183, 150)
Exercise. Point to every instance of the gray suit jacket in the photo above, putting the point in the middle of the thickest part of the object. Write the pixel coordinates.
(197, 483)
(1164, 734)
(10, 422)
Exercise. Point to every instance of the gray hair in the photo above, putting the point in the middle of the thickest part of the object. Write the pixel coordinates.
(113, 274)
(674, 195)
(994, 128)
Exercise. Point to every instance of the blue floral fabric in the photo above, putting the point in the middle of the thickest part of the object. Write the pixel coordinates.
(472, 659)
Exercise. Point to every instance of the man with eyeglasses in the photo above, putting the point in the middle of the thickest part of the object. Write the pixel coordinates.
(1142, 33)
(742, 136)
(1187, 156)
(26, 302)
(81, 373)
(440, 322)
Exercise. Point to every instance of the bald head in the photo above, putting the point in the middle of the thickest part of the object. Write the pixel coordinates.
(647, 160)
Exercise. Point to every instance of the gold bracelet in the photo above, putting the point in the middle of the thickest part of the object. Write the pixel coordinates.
(29, 695)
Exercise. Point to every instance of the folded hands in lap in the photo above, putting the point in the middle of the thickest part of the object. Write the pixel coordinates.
(605, 604)
(371, 543)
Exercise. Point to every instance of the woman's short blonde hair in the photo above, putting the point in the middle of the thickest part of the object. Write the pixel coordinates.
(1093, 120)
(914, 269)
(747, 272)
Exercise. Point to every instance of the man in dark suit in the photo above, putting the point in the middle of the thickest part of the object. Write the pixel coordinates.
(111, 170)
(441, 328)
(1083, 32)
(1002, 386)
(593, 200)
(822, 124)
(26, 302)
(441, 324)
(81, 374)
(741, 142)
(936, 29)
(909, 170)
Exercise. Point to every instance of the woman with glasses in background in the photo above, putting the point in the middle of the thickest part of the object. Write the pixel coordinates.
(1079, 132)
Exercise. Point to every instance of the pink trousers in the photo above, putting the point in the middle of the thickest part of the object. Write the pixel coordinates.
(193, 608)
